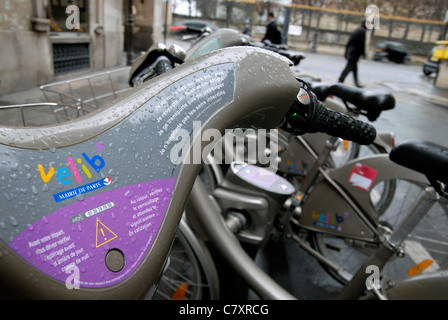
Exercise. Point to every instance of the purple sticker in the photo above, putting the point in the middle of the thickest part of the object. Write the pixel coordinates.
(81, 234)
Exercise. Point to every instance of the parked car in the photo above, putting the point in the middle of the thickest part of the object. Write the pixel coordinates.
(187, 27)
(431, 65)
(393, 51)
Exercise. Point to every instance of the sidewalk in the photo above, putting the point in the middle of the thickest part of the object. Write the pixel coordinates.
(436, 95)
(428, 91)
(14, 117)
(26, 96)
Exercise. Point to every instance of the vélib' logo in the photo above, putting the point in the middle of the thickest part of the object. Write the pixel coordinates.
(63, 174)
(329, 220)
(76, 172)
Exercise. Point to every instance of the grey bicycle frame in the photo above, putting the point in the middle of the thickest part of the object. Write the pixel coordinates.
(338, 193)
(351, 213)
(341, 195)
(49, 228)
(348, 212)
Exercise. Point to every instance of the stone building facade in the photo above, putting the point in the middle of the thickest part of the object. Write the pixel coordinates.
(41, 41)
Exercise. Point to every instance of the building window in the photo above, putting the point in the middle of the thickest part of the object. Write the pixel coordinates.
(56, 12)
(70, 57)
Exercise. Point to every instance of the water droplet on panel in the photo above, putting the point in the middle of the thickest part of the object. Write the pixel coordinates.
(13, 221)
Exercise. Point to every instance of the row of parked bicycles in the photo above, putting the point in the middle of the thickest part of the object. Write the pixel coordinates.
(170, 190)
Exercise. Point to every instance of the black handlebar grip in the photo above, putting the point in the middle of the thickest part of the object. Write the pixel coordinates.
(343, 126)
(309, 115)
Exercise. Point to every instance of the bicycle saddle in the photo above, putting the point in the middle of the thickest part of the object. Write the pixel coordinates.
(89, 208)
(425, 157)
(368, 102)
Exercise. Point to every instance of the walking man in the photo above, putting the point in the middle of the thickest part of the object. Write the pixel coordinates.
(272, 33)
(356, 47)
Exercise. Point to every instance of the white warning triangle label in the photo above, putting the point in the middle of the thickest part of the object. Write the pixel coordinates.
(103, 234)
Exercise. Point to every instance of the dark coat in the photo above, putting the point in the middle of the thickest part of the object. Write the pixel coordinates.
(356, 46)
(272, 33)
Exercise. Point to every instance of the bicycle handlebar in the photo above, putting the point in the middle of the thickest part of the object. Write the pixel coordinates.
(309, 115)
(98, 200)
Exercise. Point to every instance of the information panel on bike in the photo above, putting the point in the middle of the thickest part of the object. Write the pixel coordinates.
(94, 209)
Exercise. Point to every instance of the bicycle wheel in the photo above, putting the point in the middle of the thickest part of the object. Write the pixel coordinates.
(189, 274)
(346, 151)
(426, 247)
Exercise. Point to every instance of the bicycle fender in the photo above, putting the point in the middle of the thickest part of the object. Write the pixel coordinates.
(425, 286)
(359, 176)
(347, 209)
(328, 212)
(89, 208)
(386, 140)
(296, 159)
